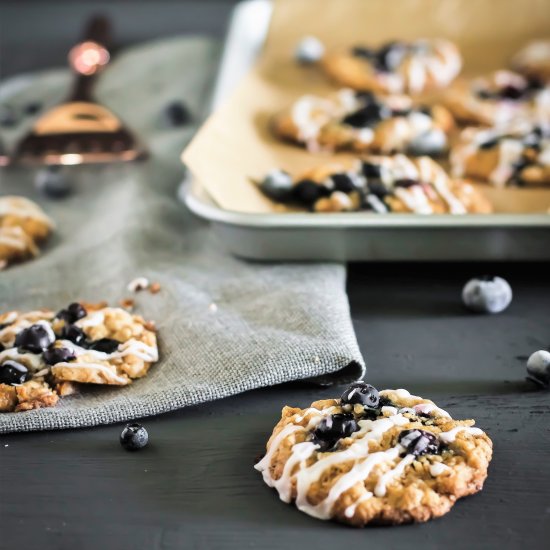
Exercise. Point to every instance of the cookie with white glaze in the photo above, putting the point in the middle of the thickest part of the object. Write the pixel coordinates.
(23, 225)
(380, 185)
(44, 355)
(374, 458)
(396, 67)
(534, 60)
(518, 155)
(362, 121)
(498, 98)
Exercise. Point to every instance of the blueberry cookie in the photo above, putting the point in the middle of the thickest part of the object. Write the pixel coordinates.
(534, 60)
(377, 184)
(499, 98)
(44, 354)
(374, 457)
(395, 67)
(362, 121)
(22, 226)
(518, 155)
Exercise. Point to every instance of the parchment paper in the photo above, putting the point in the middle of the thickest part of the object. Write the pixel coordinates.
(235, 144)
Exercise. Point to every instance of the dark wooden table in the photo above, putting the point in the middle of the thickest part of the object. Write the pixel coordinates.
(194, 486)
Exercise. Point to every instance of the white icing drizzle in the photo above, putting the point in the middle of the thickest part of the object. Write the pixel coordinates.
(92, 320)
(510, 151)
(130, 347)
(350, 510)
(22, 208)
(438, 468)
(380, 489)
(30, 360)
(13, 237)
(450, 436)
(111, 374)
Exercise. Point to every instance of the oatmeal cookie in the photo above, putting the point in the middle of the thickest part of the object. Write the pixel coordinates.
(380, 184)
(375, 457)
(518, 155)
(499, 98)
(44, 355)
(395, 67)
(362, 121)
(22, 225)
(534, 60)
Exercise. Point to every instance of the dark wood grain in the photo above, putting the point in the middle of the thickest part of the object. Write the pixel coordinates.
(195, 486)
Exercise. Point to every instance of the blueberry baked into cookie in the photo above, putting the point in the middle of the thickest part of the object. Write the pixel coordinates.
(23, 225)
(374, 457)
(377, 184)
(534, 60)
(518, 155)
(44, 355)
(363, 121)
(396, 67)
(499, 98)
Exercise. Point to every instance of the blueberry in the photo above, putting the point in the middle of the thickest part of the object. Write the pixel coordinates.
(390, 56)
(134, 437)
(487, 294)
(332, 428)
(511, 92)
(53, 182)
(406, 183)
(345, 182)
(277, 185)
(8, 118)
(32, 108)
(177, 114)
(371, 170)
(431, 143)
(106, 345)
(361, 393)
(369, 115)
(309, 50)
(419, 442)
(35, 339)
(72, 313)
(361, 51)
(13, 373)
(489, 144)
(309, 191)
(538, 368)
(52, 356)
(74, 334)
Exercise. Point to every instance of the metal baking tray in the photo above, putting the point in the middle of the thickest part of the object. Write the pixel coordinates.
(351, 236)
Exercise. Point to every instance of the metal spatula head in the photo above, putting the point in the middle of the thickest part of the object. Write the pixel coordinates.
(81, 131)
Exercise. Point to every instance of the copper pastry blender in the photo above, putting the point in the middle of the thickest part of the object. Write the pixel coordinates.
(80, 131)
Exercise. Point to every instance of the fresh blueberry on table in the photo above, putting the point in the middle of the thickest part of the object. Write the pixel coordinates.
(177, 114)
(277, 185)
(106, 345)
(134, 437)
(13, 373)
(72, 313)
(487, 294)
(361, 393)
(538, 368)
(52, 356)
(419, 442)
(74, 334)
(309, 50)
(332, 428)
(35, 339)
(53, 182)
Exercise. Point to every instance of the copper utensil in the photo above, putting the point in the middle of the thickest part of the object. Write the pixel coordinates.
(80, 130)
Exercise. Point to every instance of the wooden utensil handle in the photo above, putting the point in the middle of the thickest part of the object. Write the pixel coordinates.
(90, 57)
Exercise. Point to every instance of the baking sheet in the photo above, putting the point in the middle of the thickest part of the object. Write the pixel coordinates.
(235, 145)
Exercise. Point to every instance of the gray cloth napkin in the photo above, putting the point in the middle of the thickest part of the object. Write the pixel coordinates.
(224, 326)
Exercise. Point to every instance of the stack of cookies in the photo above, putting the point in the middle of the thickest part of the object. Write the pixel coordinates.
(397, 108)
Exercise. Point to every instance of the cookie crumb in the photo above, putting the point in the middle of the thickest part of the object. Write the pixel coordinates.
(213, 307)
(139, 283)
(154, 288)
(150, 325)
(127, 303)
